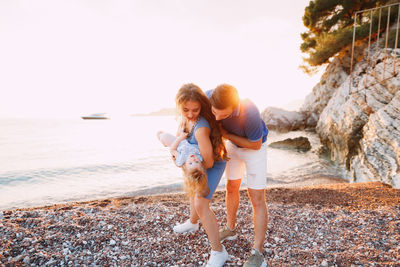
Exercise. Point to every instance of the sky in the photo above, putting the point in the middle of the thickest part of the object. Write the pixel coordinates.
(77, 57)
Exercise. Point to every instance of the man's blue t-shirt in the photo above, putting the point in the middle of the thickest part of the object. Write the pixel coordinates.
(245, 121)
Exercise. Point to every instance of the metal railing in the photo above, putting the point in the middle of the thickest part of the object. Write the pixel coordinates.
(378, 33)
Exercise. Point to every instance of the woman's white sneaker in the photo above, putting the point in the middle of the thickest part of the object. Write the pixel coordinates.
(218, 258)
(186, 227)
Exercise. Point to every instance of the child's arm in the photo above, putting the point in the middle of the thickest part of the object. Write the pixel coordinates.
(181, 136)
(174, 154)
(174, 146)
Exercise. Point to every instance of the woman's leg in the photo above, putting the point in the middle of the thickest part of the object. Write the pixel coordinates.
(214, 175)
(190, 225)
(202, 206)
(208, 220)
(194, 217)
(218, 255)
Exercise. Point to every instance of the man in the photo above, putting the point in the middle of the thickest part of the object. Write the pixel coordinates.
(242, 126)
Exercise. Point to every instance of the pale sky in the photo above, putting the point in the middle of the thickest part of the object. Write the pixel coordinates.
(76, 57)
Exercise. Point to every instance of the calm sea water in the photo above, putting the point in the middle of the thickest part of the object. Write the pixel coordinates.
(47, 161)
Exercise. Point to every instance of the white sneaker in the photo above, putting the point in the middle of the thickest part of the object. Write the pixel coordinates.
(217, 258)
(186, 227)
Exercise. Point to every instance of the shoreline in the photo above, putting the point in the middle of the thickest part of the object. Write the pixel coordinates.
(272, 182)
(330, 224)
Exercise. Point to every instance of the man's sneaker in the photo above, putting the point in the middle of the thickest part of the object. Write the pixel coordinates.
(218, 258)
(255, 260)
(186, 227)
(227, 234)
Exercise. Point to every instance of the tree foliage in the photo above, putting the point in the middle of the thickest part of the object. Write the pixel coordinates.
(329, 26)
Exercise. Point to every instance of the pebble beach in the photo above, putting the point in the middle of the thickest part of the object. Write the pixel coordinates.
(337, 224)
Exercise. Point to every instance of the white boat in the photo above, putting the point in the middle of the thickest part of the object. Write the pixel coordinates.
(96, 116)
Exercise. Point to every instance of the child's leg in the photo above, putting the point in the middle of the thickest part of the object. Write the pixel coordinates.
(166, 138)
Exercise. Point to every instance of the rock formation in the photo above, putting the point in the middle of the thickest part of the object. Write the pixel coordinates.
(298, 143)
(357, 118)
(281, 120)
(361, 121)
(317, 100)
(379, 153)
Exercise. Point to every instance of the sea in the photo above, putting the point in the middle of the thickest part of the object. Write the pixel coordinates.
(45, 161)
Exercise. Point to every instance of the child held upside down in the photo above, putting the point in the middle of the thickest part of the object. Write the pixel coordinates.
(188, 157)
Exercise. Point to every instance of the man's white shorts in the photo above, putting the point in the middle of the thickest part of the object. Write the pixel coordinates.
(253, 162)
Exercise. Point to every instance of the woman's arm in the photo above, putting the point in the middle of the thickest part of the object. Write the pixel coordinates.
(206, 150)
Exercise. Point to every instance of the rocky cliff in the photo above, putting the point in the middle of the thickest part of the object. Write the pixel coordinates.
(359, 117)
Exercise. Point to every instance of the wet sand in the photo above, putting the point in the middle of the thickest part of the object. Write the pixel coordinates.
(323, 225)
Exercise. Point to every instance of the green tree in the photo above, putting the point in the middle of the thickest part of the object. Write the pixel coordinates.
(330, 27)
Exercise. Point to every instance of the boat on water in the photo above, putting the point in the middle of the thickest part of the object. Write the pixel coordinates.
(96, 116)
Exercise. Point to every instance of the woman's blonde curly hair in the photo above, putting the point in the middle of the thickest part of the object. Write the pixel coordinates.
(191, 92)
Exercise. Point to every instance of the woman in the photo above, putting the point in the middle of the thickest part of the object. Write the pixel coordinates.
(201, 126)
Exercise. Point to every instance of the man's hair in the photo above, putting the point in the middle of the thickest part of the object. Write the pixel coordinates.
(224, 96)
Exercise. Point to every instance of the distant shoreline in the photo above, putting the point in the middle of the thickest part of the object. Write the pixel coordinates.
(161, 112)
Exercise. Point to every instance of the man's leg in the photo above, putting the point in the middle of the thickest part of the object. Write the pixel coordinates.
(232, 199)
(260, 216)
(234, 173)
(256, 167)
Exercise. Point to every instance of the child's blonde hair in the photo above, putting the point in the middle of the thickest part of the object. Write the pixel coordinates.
(195, 182)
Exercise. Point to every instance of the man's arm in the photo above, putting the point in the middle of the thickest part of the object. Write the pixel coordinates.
(243, 141)
(253, 127)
